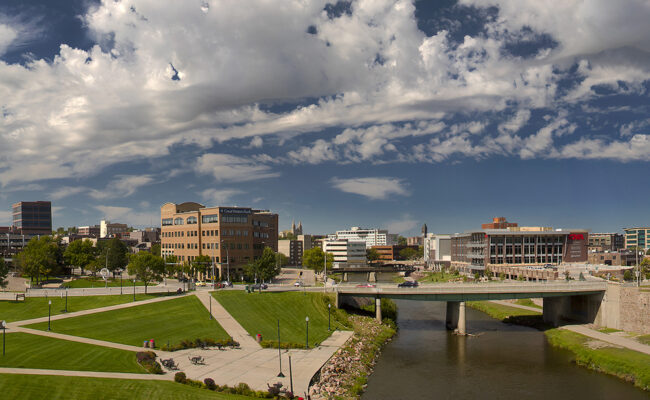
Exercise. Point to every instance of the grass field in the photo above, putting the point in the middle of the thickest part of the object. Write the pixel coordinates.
(624, 363)
(528, 303)
(609, 330)
(259, 313)
(33, 351)
(499, 311)
(433, 277)
(35, 307)
(645, 339)
(99, 283)
(171, 320)
(36, 387)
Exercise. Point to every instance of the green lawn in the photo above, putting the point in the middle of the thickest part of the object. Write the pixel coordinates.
(99, 283)
(608, 330)
(528, 303)
(171, 320)
(33, 351)
(432, 277)
(499, 311)
(259, 313)
(645, 339)
(35, 307)
(36, 387)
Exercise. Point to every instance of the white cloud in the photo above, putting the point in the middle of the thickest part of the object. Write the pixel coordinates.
(219, 197)
(66, 191)
(123, 186)
(226, 167)
(402, 225)
(372, 188)
(6, 218)
(7, 36)
(129, 216)
(256, 143)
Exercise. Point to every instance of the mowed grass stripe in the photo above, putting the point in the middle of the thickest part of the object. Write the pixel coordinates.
(167, 321)
(36, 307)
(259, 313)
(37, 387)
(99, 283)
(24, 350)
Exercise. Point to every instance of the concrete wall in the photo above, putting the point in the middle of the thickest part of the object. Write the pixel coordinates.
(582, 309)
(626, 308)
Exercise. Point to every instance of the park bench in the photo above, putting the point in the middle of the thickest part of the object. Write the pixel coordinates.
(20, 296)
(169, 364)
(196, 360)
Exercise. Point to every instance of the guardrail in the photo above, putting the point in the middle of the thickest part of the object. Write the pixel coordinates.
(445, 288)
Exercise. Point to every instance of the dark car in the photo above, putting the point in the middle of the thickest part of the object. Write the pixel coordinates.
(408, 284)
(257, 286)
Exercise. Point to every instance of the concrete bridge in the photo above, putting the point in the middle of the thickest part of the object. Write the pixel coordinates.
(567, 300)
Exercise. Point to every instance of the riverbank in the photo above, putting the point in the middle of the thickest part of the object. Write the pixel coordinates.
(345, 375)
(626, 364)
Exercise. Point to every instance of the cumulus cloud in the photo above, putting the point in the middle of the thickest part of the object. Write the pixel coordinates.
(129, 215)
(219, 197)
(6, 218)
(226, 167)
(122, 186)
(402, 225)
(373, 188)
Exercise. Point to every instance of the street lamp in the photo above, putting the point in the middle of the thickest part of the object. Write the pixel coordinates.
(49, 313)
(210, 307)
(280, 375)
(227, 261)
(121, 272)
(66, 299)
(329, 312)
(133, 289)
(307, 332)
(4, 332)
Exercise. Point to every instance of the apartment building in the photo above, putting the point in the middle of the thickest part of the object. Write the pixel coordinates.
(637, 237)
(372, 237)
(293, 249)
(347, 253)
(108, 229)
(231, 236)
(32, 217)
(606, 242)
(93, 230)
(437, 250)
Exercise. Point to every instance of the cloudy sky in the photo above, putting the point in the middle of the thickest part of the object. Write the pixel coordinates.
(374, 113)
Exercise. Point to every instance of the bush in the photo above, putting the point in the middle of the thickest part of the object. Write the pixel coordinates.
(209, 383)
(148, 360)
(180, 377)
(627, 275)
(205, 342)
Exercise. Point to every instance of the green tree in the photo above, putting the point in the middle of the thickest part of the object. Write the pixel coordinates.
(645, 267)
(80, 253)
(265, 267)
(628, 275)
(372, 254)
(408, 253)
(202, 264)
(40, 257)
(146, 267)
(113, 253)
(281, 260)
(313, 259)
(155, 249)
(4, 272)
(401, 240)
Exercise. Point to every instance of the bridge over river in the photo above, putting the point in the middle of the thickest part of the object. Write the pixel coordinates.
(566, 300)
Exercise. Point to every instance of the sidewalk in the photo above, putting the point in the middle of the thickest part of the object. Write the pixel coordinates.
(90, 374)
(227, 322)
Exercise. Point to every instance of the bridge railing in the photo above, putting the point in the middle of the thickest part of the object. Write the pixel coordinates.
(482, 288)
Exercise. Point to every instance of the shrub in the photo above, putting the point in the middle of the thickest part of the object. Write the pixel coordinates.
(148, 360)
(180, 377)
(209, 383)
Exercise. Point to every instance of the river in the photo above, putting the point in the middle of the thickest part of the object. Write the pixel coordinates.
(425, 361)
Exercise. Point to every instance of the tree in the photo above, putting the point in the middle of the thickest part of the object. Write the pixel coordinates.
(401, 240)
(281, 260)
(114, 254)
(313, 259)
(4, 272)
(155, 249)
(372, 254)
(265, 267)
(80, 253)
(645, 267)
(408, 253)
(202, 264)
(39, 258)
(146, 267)
(627, 275)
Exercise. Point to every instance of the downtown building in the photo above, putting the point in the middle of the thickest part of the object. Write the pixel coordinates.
(527, 247)
(372, 237)
(347, 253)
(637, 237)
(599, 242)
(32, 218)
(231, 236)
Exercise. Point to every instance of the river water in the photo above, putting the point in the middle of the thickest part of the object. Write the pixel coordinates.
(425, 361)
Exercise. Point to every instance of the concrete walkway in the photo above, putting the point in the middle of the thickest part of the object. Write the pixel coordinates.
(592, 333)
(90, 374)
(227, 322)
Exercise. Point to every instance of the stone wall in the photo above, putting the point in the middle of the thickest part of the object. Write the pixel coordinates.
(635, 310)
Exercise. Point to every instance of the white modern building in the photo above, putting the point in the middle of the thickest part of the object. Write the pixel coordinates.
(437, 249)
(372, 237)
(347, 253)
(107, 229)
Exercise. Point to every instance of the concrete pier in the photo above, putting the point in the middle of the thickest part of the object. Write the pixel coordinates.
(378, 309)
(456, 317)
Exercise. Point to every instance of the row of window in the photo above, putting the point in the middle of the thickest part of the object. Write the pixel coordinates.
(526, 260)
(209, 246)
(235, 219)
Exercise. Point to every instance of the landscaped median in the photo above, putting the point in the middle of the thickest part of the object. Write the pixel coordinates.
(169, 321)
(627, 364)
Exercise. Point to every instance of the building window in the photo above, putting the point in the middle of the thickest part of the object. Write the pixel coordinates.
(167, 221)
(210, 219)
(178, 221)
(191, 220)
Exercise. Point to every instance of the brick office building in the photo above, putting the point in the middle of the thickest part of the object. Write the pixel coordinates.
(231, 236)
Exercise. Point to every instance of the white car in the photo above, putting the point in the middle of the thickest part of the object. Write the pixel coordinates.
(297, 284)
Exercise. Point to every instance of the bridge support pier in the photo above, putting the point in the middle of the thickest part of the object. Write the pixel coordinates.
(372, 277)
(378, 309)
(456, 317)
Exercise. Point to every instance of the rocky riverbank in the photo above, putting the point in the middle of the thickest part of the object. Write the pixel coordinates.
(345, 375)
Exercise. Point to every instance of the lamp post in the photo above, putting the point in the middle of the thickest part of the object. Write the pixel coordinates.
(307, 332)
(66, 300)
(290, 375)
(329, 319)
(280, 375)
(325, 268)
(210, 307)
(4, 332)
(133, 289)
(121, 272)
(227, 261)
(49, 313)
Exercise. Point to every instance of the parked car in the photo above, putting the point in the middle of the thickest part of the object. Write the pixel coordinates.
(366, 285)
(408, 284)
(297, 284)
(200, 283)
(257, 286)
(226, 284)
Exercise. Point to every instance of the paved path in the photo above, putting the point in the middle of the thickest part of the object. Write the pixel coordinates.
(228, 323)
(91, 374)
(592, 333)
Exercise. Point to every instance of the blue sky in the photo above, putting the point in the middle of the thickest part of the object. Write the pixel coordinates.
(364, 113)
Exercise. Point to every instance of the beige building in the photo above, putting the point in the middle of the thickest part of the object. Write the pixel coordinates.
(293, 249)
(231, 236)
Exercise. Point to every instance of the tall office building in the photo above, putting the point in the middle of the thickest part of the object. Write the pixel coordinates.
(372, 237)
(33, 217)
(231, 236)
(637, 237)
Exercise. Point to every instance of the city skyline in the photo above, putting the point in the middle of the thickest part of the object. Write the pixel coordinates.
(374, 114)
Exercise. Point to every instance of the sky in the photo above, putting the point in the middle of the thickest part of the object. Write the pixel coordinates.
(386, 114)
